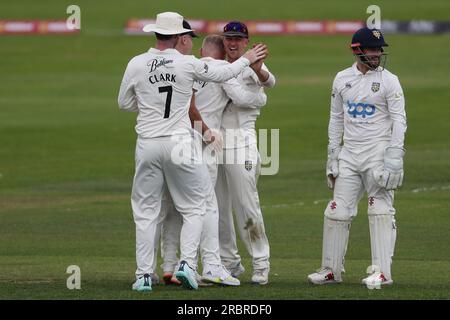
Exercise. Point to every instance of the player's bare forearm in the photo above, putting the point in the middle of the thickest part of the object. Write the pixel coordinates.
(263, 75)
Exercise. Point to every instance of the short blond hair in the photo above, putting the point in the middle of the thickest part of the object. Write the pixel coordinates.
(214, 40)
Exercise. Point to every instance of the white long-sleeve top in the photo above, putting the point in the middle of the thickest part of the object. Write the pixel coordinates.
(158, 84)
(211, 98)
(243, 118)
(365, 109)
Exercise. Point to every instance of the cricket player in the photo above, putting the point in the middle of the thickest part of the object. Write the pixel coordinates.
(237, 176)
(158, 84)
(210, 99)
(368, 112)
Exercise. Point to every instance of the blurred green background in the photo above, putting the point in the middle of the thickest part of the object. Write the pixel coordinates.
(67, 153)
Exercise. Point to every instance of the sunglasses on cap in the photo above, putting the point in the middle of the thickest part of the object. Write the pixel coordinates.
(235, 29)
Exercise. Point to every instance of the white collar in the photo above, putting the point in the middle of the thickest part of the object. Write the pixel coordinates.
(357, 72)
(165, 51)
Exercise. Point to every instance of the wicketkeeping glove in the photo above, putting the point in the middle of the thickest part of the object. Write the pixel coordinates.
(332, 169)
(391, 176)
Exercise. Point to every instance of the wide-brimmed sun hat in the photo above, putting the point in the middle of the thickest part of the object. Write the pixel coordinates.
(167, 23)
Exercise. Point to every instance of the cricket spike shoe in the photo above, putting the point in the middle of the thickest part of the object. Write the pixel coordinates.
(376, 279)
(143, 283)
(323, 276)
(186, 275)
(218, 274)
(260, 276)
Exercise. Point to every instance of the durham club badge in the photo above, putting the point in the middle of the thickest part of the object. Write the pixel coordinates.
(375, 86)
(248, 165)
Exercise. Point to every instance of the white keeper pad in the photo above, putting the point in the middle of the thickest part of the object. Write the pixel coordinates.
(383, 234)
(335, 240)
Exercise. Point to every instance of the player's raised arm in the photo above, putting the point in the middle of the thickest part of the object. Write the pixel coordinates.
(265, 77)
(242, 97)
(205, 72)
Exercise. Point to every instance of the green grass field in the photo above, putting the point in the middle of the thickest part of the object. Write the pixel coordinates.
(67, 154)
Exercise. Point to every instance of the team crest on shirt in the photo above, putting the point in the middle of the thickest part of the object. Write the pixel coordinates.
(248, 165)
(375, 86)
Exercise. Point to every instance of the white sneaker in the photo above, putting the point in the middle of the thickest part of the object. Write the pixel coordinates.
(323, 276)
(376, 279)
(219, 274)
(187, 276)
(236, 269)
(260, 276)
(143, 283)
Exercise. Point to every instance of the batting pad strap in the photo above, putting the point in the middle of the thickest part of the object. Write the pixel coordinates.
(383, 234)
(335, 240)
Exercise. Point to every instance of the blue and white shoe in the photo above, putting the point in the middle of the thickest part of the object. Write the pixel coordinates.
(187, 276)
(144, 283)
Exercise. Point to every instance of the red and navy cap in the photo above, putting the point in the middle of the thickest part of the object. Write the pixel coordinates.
(368, 38)
(235, 29)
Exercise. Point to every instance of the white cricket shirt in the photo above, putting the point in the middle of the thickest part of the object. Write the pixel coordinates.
(366, 108)
(244, 119)
(158, 84)
(211, 98)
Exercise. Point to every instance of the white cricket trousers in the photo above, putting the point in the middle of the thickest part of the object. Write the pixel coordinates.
(171, 224)
(355, 177)
(236, 189)
(185, 182)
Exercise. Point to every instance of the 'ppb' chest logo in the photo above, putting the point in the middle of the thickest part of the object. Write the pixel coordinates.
(375, 86)
(360, 109)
